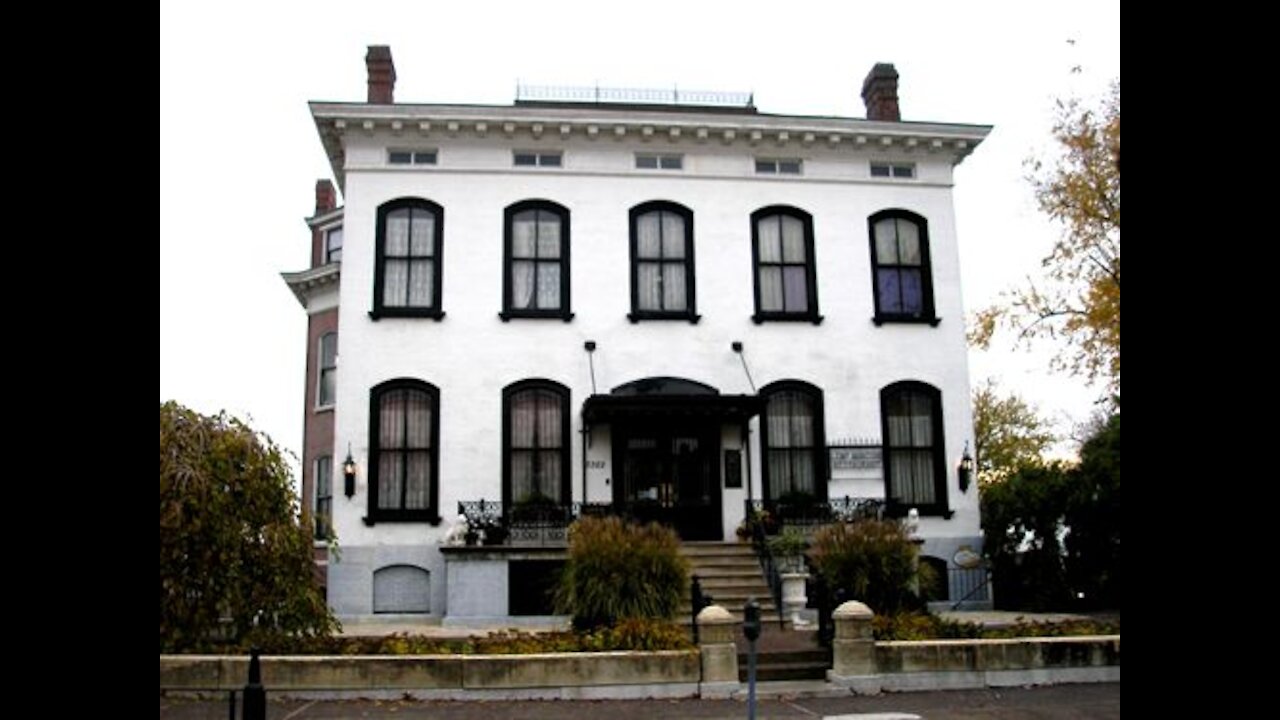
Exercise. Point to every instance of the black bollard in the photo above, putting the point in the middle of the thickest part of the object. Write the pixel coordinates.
(255, 696)
(751, 628)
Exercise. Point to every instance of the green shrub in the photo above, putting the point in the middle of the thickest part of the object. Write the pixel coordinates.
(236, 566)
(873, 560)
(616, 571)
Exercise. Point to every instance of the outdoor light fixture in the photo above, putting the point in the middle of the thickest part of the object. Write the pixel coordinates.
(966, 468)
(349, 474)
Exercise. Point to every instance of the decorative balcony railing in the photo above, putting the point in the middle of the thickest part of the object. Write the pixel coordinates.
(809, 514)
(538, 523)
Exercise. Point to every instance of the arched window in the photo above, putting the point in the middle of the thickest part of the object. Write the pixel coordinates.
(535, 442)
(410, 256)
(914, 471)
(793, 441)
(900, 272)
(536, 261)
(404, 434)
(662, 278)
(782, 253)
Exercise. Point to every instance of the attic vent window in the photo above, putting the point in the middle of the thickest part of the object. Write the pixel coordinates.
(411, 157)
(880, 170)
(537, 159)
(650, 161)
(778, 166)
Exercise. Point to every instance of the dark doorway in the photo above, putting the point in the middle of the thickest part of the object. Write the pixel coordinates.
(669, 472)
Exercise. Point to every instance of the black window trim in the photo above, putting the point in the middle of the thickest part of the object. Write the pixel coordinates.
(811, 262)
(820, 462)
(690, 313)
(928, 315)
(320, 370)
(566, 440)
(431, 513)
(327, 247)
(321, 532)
(942, 506)
(435, 311)
(565, 311)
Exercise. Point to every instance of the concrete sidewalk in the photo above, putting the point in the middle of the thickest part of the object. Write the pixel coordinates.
(1056, 702)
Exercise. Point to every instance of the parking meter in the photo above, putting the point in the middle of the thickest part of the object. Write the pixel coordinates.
(751, 628)
(751, 620)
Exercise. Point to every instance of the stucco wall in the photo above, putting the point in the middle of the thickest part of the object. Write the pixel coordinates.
(471, 354)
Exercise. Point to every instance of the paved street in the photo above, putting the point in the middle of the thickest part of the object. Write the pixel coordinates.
(1057, 702)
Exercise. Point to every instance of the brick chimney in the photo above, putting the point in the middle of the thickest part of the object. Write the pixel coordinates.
(880, 93)
(382, 74)
(326, 197)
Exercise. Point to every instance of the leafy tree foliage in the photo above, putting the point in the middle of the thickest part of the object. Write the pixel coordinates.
(1079, 298)
(235, 559)
(1007, 433)
(1052, 531)
(1093, 514)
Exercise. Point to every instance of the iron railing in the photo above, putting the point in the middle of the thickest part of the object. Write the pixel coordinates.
(777, 514)
(526, 523)
(597, 94)
(768, 563)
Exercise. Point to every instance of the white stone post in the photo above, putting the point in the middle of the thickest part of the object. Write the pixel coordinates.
(853, 651)
(716, 631)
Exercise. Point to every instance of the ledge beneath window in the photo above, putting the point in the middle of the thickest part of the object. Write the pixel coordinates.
(431, 518)
(508, 316)
(906, 320)
(814, 318)
(899, 510)
(436, 315)
(691, 318)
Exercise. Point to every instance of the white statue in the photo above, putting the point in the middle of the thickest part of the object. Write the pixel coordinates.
(457, 532)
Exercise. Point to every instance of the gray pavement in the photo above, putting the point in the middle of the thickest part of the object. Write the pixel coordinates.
(1056, 702)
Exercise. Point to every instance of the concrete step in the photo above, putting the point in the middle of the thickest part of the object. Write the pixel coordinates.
(768, 672)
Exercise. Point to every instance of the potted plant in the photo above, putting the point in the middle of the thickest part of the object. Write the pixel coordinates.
(787, 547)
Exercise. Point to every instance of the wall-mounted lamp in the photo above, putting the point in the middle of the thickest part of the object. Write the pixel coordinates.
(349, 474)
(966, 468)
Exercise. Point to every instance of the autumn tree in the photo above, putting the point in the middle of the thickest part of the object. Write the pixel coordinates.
(1007, 433)
(1078, 299)
(235, 556)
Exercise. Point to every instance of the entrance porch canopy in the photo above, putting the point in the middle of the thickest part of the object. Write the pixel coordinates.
(669, 398)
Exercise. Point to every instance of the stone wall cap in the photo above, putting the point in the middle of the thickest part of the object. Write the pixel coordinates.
(714, 614)
(852, 608)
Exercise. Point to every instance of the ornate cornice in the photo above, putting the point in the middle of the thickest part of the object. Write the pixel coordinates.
(308, 284)
(775, 132)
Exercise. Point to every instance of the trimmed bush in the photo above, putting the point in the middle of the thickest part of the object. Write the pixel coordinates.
(874, 561)
(617, 571)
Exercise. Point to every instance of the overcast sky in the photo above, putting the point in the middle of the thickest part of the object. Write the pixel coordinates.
(239, 153)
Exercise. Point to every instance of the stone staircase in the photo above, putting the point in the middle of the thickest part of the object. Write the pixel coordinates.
(730, 573)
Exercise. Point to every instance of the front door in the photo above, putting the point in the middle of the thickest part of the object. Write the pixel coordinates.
(670, 473)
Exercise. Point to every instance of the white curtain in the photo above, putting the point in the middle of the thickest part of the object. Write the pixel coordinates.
(911, 443)
(536, 444)
(790, 418)
(523, 251)
(648, 265)
(409, 264)
(404, 449)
